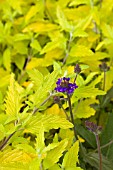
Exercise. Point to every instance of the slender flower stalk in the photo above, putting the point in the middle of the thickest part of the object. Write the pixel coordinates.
(96, 130)
(72, 118)
(64, 111)
(99, 151)
(57, 100)
(77, 70)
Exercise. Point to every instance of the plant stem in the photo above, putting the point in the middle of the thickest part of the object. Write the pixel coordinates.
(6, 140)
(99, 151)
(68, 47)
(75, 78)
(25, 65)
(36, 109)
(41, 166)
(60, 105)
(95, 29)
(104, 146)
(72, 118)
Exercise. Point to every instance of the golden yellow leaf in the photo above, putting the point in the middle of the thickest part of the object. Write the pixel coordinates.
(15, 156)
(55, 110)
(109, 79)
(32, 12)
(36, 62)
(80, 139)
(56, 53)
(41, 27)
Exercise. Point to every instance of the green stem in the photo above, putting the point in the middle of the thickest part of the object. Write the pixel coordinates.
(68, 47)
(36, 109)
(104, 146)
(60, 105)
(25, 65)
(75, 78)
(41, 166)
(6, 140)
(99, 151)
(72, 118)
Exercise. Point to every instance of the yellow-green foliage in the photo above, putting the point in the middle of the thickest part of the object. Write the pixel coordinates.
(41, 41)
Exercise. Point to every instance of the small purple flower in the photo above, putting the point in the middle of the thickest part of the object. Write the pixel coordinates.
(93, 127)
(64, 86)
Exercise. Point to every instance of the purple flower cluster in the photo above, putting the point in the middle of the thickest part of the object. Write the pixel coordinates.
(64, 86)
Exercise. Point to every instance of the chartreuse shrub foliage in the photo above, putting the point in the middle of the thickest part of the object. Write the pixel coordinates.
(41, 41)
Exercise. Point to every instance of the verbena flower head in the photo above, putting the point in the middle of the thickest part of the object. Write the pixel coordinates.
(64, 86)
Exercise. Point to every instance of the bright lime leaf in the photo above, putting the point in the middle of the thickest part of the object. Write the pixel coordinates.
(80, 33)
(85, 110)
(63, 21)
(71, 157)
(37, 62)
(20, 47)
(40, 140)
(14, 155)
(55, 122)
(36, 77)
(12, 101)
(32, 12)
(54, 154)
(40, 26)
(79, 2)
(25, 147)
(14, 166)
(7, 59)
(19, 60)
(55, 167)
(90, 77)
(87, 91)
(2, 132)
(35, 44)
(80, 50)
(44, 90)
(21, 37)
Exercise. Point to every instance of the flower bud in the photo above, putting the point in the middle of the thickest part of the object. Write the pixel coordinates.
(93, 127)
(77, 69)
(104, 67)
